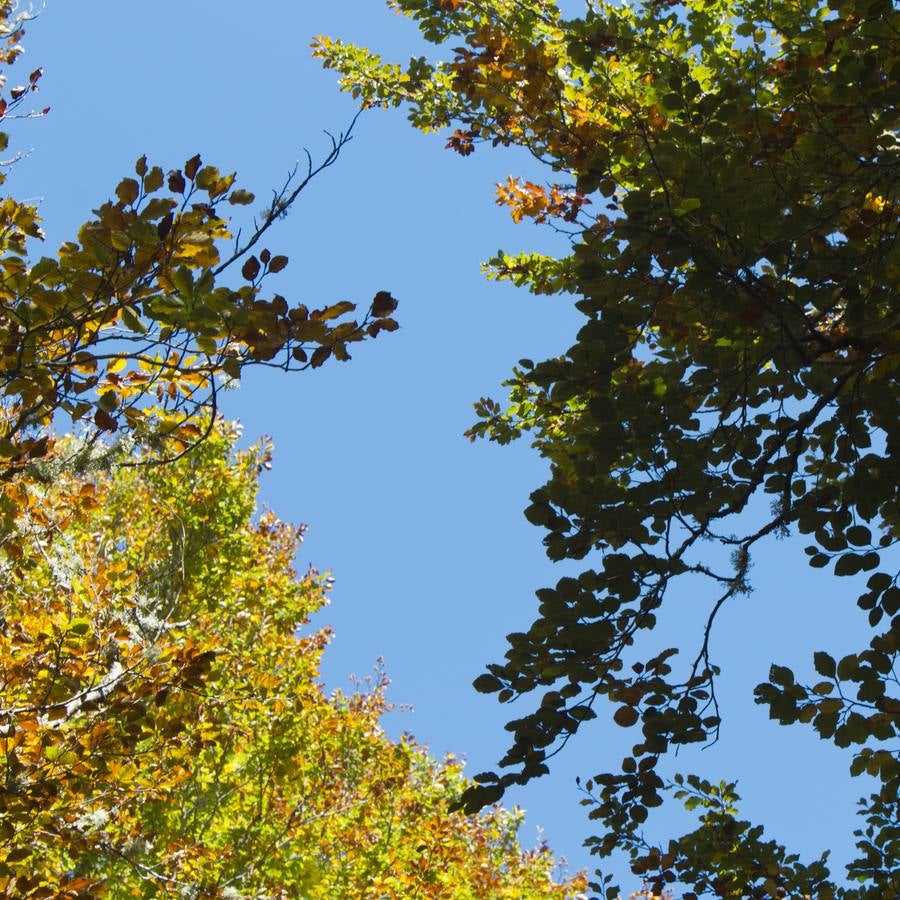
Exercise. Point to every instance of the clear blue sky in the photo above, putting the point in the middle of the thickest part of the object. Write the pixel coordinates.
(433, 560)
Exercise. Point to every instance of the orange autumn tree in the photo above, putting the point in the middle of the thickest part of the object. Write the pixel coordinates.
(164, 732)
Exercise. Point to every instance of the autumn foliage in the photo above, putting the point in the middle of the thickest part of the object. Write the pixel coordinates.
(163, 731)
(727, 173)
(163, 726)
(133, 327)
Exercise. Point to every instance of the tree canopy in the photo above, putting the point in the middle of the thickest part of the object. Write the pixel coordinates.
(727, 171)
(164, 732)
(132, 328)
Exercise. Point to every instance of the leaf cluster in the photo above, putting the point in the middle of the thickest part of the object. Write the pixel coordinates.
(727, 171)
(164, 729)
(133, 329)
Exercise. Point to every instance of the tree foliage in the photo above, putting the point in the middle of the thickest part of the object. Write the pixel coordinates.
(133, 327)
(162, 728)
(727, 171)
(164, 732)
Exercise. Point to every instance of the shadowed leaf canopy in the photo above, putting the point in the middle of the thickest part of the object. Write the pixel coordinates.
(727, 171)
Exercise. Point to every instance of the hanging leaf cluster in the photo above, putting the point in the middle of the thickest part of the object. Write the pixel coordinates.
(133, 327)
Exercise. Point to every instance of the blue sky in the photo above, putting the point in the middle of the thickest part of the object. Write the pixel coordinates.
(434, 562)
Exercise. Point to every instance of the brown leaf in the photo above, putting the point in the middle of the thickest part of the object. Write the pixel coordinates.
(153, 180)
(128, 191)
(192, 166)
(241, 197)
(320, 354)
(77, 885)
(250, 269)
(165, 226)
(278, 263)
(625, 716)
(177, 184)
(381, 325)
(105, 421)
(383, 304)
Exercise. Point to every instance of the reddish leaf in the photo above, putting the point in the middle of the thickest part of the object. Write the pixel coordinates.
(165, 226)
(250, 269)
(192, 166)
(320, 354)
(383, 304)
(104, 421)
(177, 184)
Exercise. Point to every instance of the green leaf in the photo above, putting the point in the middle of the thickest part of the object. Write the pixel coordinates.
(487, 684)
(687, 205)
(825, 664)
(80, 626)
(131, 321)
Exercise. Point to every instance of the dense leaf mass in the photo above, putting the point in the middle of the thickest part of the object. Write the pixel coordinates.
(163, 731)
(727, 171)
